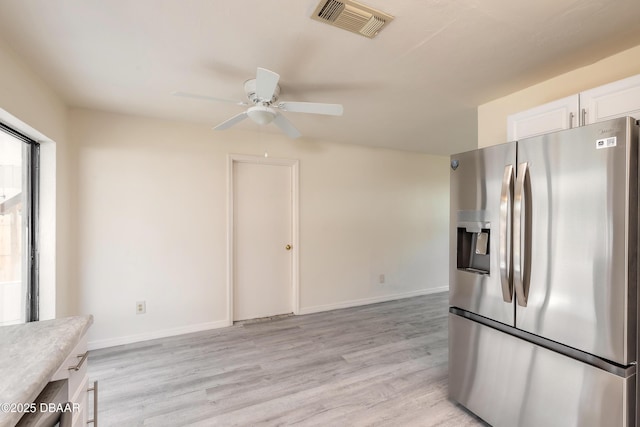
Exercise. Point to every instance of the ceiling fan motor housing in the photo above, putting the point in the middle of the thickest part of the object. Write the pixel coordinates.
(250, 90)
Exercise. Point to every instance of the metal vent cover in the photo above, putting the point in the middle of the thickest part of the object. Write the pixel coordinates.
(351, 16)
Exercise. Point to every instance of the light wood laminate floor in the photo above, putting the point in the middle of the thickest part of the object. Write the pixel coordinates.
(381, 365)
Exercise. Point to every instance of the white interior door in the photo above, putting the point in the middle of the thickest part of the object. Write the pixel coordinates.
(262, 210)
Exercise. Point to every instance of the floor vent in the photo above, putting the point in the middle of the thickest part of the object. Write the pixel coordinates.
(351, 16)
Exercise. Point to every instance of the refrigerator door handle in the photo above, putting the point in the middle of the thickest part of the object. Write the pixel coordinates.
(506, 201)
(520, 254)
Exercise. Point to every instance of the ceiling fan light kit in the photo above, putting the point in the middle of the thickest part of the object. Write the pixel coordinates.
(261, 114)
(263, 92)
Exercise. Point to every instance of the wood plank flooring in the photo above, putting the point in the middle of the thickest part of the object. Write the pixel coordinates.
(377, 365)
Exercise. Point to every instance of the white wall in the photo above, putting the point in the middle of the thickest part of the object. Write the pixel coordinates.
(28, 104)
(492, 116)
(368, 212)
(152, 224)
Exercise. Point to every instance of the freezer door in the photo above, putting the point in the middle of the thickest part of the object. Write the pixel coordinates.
(480, 240)
(575, 238)
(508, 382)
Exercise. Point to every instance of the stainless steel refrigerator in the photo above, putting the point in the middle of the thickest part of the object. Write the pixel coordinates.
(543, 278)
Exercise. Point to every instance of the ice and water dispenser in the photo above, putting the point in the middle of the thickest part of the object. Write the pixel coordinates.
(473, 246)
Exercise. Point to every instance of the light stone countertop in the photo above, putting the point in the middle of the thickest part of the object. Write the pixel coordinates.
(30, 354)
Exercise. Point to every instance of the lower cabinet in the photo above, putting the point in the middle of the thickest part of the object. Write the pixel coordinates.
(74, 370)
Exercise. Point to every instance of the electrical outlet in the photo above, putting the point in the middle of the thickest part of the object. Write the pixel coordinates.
(141, 307)
(382, 278)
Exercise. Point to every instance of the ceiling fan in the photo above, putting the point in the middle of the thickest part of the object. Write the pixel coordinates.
(263, 93)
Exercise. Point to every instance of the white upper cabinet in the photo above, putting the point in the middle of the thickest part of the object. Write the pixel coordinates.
(617, 99)
(557, 115)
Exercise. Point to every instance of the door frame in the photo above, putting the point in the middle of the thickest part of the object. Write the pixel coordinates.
(232, 159)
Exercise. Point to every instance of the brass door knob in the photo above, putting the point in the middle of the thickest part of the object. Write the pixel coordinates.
(288, 247)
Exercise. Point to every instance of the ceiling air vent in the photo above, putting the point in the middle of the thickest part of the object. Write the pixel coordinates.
(351, 16)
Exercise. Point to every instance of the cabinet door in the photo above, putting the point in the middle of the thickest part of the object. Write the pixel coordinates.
(77, 379)
(617, 99)
(556, 115)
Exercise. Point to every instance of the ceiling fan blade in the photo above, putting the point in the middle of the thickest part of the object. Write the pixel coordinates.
(312, 107)
(207, 98)
(232, 121)
(266, 82)
(286, 126)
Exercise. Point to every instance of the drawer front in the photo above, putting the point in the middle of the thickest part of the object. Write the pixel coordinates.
(73, 359)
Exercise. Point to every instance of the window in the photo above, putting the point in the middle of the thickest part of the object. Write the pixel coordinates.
(19, 158)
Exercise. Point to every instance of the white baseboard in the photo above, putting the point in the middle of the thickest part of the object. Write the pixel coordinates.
(129, 339)
(374, 300)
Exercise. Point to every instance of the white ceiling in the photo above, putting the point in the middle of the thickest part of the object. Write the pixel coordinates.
(415, 86)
